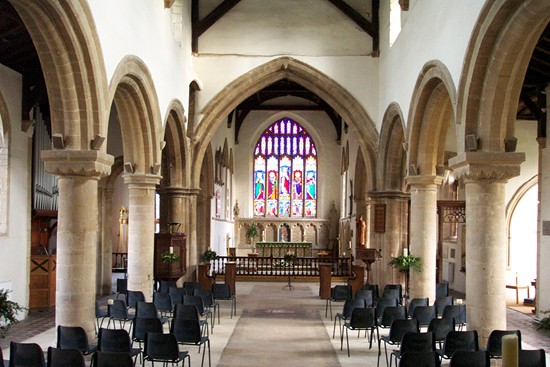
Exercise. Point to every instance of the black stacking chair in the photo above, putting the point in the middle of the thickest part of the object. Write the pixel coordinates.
(458, 312)
(117, 341)
(190, 312)
(442, 302)
(392, 293)
(361, 319)
(191, 287)
(209, 303)
(390, 314)
(74, 337)
(197, 302)
(223, 292)
(441, 289)
(532, 358)
(420, 359)
(415, 302)
(459, 340)
(133, 297)
(112, 359)
(163, 302)
(164, 348)
(119, 312)
(374, 289)
(440, 328)
(142, 326)
(121, 287)
(424, 315)
(177, 294)
(338, 293)
(398, 329)
(65, 358)
(494, 342)
(383, 303)
(414, 342)
(188, 332)
(148, 310)
(468, 358)
(348, 308)
(100, 314)
(365, 294)
(26, 354)
(164, 285)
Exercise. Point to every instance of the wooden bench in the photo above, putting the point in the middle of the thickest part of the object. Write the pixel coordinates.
(517, 287)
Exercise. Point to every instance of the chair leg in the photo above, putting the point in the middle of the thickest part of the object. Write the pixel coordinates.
(334, 328)
(347, 341)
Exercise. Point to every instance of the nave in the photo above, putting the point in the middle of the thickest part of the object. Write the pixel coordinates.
(274, 326)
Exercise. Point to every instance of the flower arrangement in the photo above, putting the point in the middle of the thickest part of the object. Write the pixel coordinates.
(169, 257)
(406, 262)
(209, 255)
(8, 312)
(252, 232)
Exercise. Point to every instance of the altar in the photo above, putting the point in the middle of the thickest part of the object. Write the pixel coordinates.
(280, 249)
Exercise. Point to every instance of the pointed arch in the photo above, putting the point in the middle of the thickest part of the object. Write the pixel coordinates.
(392, 158)
(66, 39)
(494, 68)
(216, 111)
(133, 92)
(432, 108)
(175, 153)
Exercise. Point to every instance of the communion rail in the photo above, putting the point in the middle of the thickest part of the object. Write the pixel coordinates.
(270, 266)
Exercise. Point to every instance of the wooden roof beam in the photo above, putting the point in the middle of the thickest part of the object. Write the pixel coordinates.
(201, 26)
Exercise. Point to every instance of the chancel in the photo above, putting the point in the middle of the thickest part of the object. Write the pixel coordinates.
(395, 147)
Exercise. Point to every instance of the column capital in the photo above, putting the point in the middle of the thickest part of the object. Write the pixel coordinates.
(83, 163)
(180, 191)
(424, 181)
(496, 166)
(388, 195)
(141, 180)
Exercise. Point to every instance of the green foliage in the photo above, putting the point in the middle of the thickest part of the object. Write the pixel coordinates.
(545, 321)
(406, 263)
(209, 255)
(8, 312)
(169, 257)
(252, 231)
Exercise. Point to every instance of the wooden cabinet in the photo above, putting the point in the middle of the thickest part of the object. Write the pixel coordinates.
(163, 243)
(42, 282)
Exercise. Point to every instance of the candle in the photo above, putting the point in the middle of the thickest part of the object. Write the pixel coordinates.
(392, 255)
(171, 249)
(110, 301)
(459, 301)
(510, 351)
(405, 252)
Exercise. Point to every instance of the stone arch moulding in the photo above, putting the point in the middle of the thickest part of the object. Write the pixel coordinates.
(495, 64)
(175, 151)
(432, 106)
(392, 140)
(68, 46)
(216, 111)
(133, 91)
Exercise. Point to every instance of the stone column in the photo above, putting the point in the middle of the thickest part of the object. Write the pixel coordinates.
(141, 231)
(105, 241)
(78, 173)
(485, 175)
(189, 212)
(423, 233)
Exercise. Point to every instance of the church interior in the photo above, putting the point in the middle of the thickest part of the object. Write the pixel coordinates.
(311, 143)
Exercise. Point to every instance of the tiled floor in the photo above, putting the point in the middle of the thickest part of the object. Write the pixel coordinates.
(39, 327)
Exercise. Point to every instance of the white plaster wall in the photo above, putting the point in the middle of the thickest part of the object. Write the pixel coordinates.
(429, 33)
(526, 133)
(328, 153)
(144, 28)
(15, 246)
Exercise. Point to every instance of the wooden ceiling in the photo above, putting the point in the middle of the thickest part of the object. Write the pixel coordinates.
(18, 53)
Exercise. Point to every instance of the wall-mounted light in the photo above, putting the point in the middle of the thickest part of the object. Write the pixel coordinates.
(128, 167)
(413, 171)
(98, 142)
(58, 141)
(471, 142)
(155, 169)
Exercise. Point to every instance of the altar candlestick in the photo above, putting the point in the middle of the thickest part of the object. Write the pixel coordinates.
(405, 252)
(510, 351)
(171, 249)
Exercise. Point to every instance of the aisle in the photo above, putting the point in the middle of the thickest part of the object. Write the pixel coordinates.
(281, 327)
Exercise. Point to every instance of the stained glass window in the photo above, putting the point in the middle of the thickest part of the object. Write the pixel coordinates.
(285, 172)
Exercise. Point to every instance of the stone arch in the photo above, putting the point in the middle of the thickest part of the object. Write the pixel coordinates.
(175, 152)
(216, 111)
(494, 68)
(392, 158)
(68, 46)
(133, 92)
(432, 107)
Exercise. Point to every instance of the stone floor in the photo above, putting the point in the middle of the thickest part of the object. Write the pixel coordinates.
(39, 328)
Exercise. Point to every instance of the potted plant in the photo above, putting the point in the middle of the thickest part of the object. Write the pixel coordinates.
(209, 255)
(251, 233)
(169, 257)
(8, 312)
(405, 263)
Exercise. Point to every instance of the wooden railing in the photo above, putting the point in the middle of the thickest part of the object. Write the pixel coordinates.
(269, 266)
(120, 261)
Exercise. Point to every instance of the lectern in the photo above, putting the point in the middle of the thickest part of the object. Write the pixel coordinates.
(368, 255)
